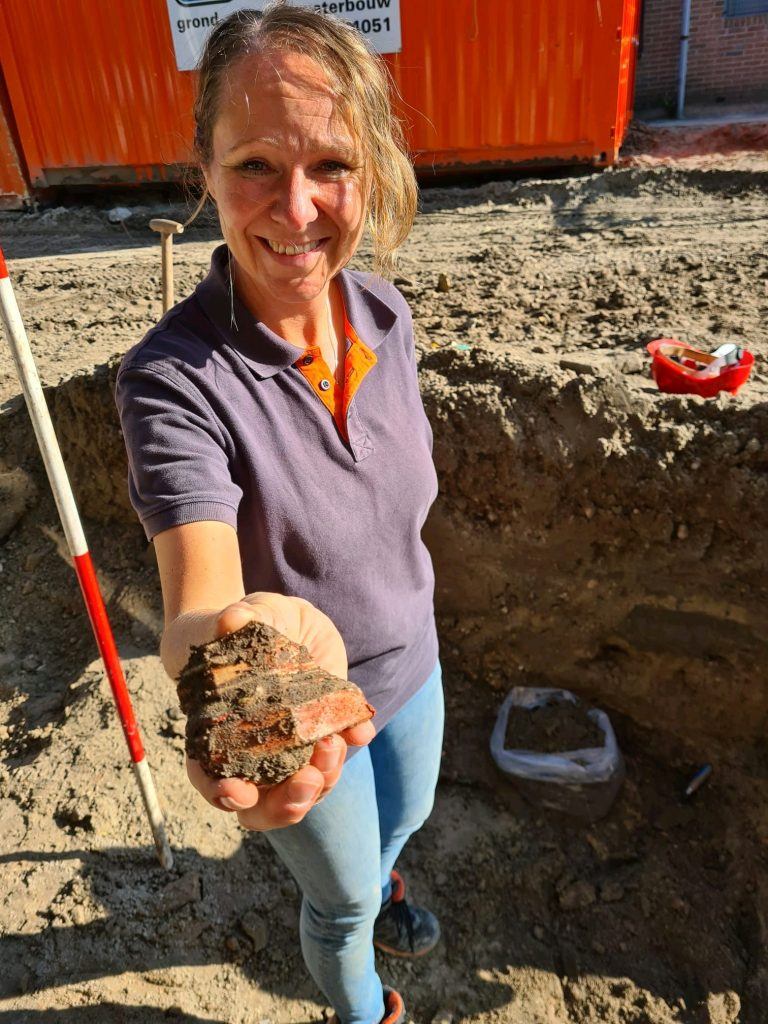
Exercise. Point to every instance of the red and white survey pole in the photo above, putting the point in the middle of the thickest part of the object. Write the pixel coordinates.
(73, 530)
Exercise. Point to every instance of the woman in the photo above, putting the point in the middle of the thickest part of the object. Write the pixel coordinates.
(280, 459)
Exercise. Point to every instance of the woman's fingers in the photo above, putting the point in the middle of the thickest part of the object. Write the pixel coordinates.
(265, 807)
(226, 794)
(328, 757)
(285, 804)
(359, 735)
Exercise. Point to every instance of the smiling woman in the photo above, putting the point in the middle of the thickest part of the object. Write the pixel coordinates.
(280, 459)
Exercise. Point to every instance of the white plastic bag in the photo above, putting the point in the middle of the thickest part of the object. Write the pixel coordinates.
(580, 782)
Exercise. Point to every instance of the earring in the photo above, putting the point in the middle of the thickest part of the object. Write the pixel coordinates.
(232, 322)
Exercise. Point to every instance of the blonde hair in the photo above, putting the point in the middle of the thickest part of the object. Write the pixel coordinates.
(361, 85)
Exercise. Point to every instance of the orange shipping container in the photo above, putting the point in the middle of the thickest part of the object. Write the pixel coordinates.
(96, 96)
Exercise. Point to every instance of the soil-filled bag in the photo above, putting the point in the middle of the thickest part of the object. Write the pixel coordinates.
(582, 782)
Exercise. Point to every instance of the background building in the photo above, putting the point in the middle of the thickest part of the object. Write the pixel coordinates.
(727, 57)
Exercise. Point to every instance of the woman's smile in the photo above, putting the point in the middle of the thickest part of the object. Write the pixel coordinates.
(294, 253)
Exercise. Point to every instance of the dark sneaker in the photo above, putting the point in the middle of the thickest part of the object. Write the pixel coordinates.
(394, 1010)
(403, 930)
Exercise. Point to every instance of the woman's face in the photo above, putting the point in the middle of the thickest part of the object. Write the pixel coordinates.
(286, 177)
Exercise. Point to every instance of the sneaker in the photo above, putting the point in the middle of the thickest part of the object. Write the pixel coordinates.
(402, 930)
(394, 1009)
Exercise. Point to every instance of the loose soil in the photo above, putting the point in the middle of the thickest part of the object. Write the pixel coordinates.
(590, 534)
(554, 727)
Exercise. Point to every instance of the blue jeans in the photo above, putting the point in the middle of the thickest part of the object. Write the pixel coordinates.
(341, 854)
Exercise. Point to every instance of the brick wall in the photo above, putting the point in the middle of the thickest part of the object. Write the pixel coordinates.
(727, 57)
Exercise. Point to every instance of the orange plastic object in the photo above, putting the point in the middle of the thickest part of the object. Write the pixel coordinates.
(96, 96)
(677, 379)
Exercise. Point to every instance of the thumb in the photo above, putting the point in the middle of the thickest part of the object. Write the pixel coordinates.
(235, 616)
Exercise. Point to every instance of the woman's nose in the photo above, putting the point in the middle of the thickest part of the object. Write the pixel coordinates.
(294, 206)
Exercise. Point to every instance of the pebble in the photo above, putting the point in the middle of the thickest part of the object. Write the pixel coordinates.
(577, 895)
(232, 943)
(539, 932)
(577, 365)
(33, 559)
(179, 892)
(611, 892)
(118, 214)
(255, 927)
(443, 1017)
(598, 947)
(682, 532)
(443, 283)
(79, 915)
(31, 663)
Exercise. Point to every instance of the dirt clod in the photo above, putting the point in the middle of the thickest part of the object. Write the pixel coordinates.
(255, 927)
(577, 896)
(16, 493)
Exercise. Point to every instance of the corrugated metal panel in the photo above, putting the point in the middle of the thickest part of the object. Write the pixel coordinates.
(13, 186)
(95, 85)
(529, 80)
(96, 94)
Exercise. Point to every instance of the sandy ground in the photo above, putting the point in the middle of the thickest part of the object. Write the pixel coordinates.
(604, 263)
(656, 914)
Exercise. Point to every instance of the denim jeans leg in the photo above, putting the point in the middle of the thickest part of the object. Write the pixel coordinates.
(406, 764)
(334, 855)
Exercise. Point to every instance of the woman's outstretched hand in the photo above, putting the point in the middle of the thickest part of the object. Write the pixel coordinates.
(266, 807)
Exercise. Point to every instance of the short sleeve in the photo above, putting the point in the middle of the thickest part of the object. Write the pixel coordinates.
(178, 467)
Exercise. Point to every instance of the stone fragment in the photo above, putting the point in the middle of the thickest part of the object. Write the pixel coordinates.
(256, 704)
(179, 892)
(578, 365)
(443, 283)
(577, 895)
(255, 927)
(443, 1017)
(611, 892)
(118, 214)
(16, 493)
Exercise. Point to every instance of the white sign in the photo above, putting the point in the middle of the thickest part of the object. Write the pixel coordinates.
(192, 20)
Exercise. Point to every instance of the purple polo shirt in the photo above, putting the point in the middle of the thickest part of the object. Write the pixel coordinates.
(220, 425)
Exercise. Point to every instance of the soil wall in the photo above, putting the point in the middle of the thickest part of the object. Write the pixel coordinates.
(588, 532)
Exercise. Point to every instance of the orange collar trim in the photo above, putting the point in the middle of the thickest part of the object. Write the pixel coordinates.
(337, 398)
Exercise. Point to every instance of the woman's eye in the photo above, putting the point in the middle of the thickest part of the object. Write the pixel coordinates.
(333, 167)
(254, 166)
